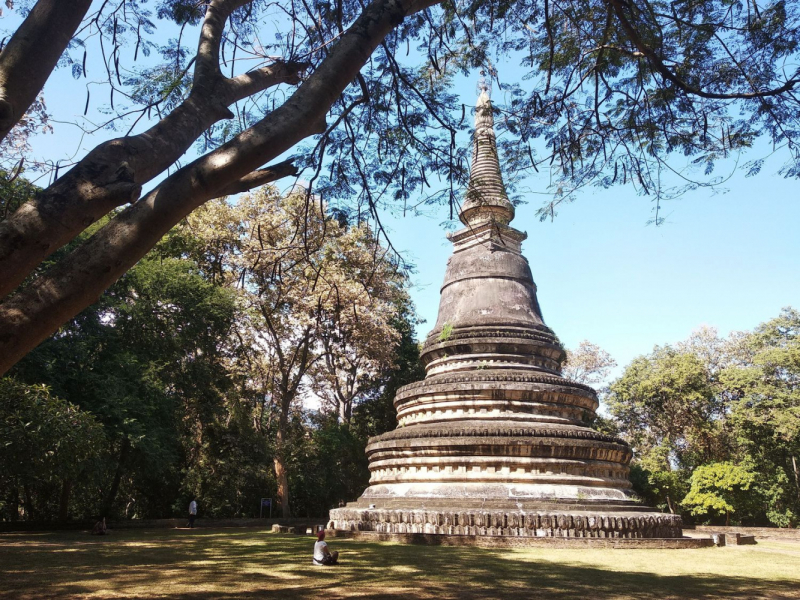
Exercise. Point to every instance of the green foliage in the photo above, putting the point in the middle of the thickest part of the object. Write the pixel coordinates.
(14, 190)
(328, 466)
(447, 331)
(719, 488)
(146, 361)
(656, 482)
(764, 392)
(45, 444)
(232, 470)
(666, 400)
(183, 399)
(725, 413)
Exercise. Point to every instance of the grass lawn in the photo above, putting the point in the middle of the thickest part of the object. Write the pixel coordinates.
(250, 563)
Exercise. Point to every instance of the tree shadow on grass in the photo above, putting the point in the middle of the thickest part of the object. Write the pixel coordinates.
(246, 564)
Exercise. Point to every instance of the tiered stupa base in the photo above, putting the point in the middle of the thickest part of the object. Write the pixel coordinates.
(542, 520)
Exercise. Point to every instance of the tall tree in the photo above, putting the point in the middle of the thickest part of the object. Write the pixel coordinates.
(148, 361)
(376, 414)
(357, 336)
(319, 300)
(764, 395)
(666, 407)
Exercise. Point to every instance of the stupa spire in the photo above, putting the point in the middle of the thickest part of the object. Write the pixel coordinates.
(486, 198)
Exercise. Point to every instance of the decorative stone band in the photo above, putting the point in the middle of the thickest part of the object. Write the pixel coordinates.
(508, 523)
(487, 376)
(437, 411)
(473, 361)
(500, 331)
(530, 354)
(487, 230)
(522, 448)
(505, 454)
(472, 429)
(488, 470)
(477, 396)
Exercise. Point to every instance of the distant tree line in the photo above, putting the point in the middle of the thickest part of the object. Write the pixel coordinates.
(714, 422)
(187, 377)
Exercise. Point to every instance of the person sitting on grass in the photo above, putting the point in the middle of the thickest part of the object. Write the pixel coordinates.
(323, 556)
(100, 528)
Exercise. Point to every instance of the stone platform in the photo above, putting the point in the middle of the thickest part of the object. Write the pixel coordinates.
(604, 522)
(502, 541)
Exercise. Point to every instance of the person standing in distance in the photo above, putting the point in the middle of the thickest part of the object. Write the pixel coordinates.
(192, 513)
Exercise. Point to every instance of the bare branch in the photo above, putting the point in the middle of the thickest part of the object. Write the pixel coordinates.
(258, 80)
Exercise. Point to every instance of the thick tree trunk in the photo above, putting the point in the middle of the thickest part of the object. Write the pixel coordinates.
(282, 477)
(76, 281)
(32, 53)
(111, 496)
(63, 501)
(345, 409)
(279, 460)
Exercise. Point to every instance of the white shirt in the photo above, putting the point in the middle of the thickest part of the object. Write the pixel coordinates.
(192, 507)
(319, 555)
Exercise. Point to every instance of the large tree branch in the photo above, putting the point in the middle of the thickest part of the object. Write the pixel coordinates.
(217, 13)
(77, 280)
(260, 177)
(112, 174)
(32, 53)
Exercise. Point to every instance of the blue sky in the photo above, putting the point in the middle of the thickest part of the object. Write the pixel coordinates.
(729, 260)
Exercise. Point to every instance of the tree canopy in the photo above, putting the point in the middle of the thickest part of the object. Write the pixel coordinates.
(193, 374)
(715, 423)
(201, 95)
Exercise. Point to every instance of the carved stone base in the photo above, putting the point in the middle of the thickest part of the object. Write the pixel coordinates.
(516, 523)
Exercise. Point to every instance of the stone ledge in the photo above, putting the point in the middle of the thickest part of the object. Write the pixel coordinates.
(488, 429)
(496, 330)
(527, 542)
(486, 375)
